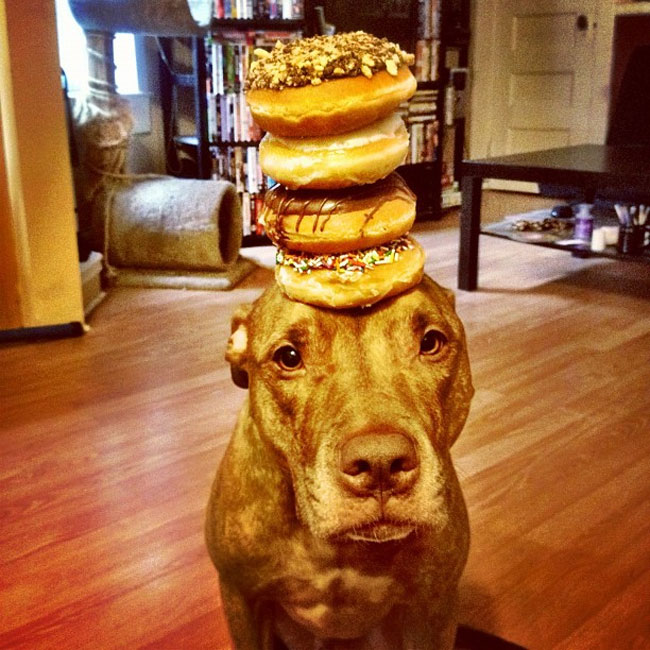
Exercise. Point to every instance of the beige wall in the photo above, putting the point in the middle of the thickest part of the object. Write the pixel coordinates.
(10, 304)
(40, 267)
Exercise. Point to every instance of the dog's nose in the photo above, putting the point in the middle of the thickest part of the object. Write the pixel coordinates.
(379, 464)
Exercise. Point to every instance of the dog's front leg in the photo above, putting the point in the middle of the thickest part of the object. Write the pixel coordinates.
(428, 625)
(250, 628)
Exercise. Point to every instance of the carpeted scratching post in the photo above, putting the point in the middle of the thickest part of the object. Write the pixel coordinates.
(173, 233)
(172, 223)
(153, 231)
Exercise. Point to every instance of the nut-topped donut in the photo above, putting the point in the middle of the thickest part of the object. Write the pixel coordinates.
(338, 221)
(326, 85)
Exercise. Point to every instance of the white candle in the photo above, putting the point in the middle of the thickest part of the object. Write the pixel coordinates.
(611, 235)
(598, 239)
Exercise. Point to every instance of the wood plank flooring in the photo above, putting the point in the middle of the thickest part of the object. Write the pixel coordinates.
(108, 445)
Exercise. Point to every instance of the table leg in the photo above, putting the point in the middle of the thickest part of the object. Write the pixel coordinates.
(470, 226)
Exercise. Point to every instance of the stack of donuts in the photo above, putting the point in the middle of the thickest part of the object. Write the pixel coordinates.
(340, 214)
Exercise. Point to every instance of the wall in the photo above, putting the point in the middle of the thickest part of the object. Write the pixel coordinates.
(39, 256)
(631, 31)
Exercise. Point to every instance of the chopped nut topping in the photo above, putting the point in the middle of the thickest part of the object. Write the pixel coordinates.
(316, 59)
(391, 68)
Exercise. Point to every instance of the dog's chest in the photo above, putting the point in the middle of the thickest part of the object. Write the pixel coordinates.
(330, 601)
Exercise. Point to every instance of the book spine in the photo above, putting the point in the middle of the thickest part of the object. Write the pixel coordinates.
(251, 170)
(243, 117)
(213, 124)
(214, 66)
(236, 122)
(259, 204)
(435, 60)
(246, 214)
(229, 73)
(434, 19)
(423, 29)
(220, 64)
(231, 118)
(237, 169)
(422, 60)
(298, 9)
(236, 67)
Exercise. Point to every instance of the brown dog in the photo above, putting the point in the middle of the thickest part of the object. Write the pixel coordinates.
(336, 520)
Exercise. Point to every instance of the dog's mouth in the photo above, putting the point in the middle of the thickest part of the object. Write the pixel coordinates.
(379, 532)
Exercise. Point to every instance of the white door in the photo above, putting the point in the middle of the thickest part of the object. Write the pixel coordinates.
(543, 78)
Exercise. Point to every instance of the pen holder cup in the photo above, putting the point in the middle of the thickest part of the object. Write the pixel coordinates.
(631, 240)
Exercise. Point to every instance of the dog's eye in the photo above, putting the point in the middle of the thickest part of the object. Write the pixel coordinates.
(432, 342)
(287, 357)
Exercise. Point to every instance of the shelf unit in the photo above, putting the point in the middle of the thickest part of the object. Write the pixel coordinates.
(503, 230)
(424, 178)
(196, 146)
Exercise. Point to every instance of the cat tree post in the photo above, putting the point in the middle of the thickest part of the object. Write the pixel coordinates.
(146, 225)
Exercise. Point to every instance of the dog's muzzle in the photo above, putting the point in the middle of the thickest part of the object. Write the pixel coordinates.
(378, 465)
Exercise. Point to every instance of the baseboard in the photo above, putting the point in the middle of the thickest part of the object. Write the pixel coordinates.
(91, 284)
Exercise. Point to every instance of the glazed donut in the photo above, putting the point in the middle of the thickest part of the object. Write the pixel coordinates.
(356, 158)
(326, 85)
(338, 221)
(358, 279)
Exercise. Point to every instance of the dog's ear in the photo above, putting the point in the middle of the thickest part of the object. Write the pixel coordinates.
(461, 389)
(438, 291)
(451, 296)
(460, 394)
(236, 352)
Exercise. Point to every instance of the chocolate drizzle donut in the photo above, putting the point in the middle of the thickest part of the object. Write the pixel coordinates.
(336, 221)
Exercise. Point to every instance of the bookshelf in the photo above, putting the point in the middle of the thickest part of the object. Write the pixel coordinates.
(233, 136)
(225, 143)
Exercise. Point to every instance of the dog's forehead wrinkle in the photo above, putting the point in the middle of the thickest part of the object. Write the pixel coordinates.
(408, 316)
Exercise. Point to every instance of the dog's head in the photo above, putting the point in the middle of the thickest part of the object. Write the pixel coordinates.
(360, 407)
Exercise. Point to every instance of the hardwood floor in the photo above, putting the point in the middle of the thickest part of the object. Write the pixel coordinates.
(109, 443)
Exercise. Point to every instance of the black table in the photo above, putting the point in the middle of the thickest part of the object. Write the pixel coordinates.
(589, 167)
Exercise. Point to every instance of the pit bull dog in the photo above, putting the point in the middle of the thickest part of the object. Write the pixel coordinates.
(336, 520)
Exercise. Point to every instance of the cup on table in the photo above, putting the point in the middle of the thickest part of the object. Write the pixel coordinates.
(631, 240)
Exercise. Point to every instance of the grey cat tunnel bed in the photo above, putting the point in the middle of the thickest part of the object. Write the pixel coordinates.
(156, 17)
